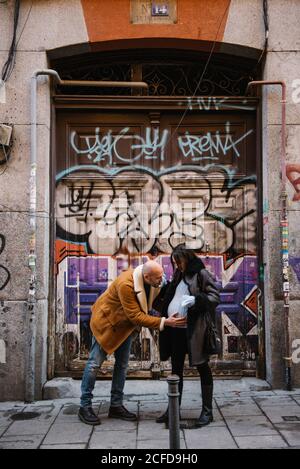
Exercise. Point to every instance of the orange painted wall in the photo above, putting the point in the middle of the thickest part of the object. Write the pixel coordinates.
(197, 19)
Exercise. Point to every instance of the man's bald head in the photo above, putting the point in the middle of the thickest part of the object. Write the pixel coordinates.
(151, 267)
(153, 273)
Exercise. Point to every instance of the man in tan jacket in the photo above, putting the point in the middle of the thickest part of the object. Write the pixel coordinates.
(117, 313)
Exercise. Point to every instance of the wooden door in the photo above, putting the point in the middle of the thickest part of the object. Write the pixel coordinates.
(131, 184)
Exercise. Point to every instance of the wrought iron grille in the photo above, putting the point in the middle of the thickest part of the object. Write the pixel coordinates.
(164, 79)
(115, 72)
(187, 80)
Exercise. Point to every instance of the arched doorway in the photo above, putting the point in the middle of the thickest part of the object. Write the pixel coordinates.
(188, 154)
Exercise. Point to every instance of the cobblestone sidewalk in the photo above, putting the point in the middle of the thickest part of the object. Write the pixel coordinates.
(243, 419)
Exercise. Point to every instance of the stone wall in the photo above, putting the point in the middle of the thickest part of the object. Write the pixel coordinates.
(57, 23)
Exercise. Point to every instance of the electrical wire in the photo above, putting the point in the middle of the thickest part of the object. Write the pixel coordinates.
(2, 206)
(266, 25)
(203, 73)
(10, 62)
(9, 65)
(24, 25)
(37, 214)
(266, 14)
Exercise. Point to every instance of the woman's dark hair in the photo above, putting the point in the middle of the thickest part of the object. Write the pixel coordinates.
(182, 253)
(188, 255)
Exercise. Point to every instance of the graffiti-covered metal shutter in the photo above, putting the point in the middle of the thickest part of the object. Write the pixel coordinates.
(134, 178)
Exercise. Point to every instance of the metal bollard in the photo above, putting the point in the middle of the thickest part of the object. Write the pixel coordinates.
(174, 424)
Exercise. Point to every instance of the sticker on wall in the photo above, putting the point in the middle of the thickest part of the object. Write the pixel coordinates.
(2, 351)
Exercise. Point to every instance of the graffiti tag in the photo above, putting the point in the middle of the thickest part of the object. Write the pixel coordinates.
(6, 277)
(107, 147)
(127, 218)
(80, 201)
(213, 144)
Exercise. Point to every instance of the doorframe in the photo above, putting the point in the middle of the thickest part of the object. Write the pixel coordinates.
(261, 361)
(164, 103)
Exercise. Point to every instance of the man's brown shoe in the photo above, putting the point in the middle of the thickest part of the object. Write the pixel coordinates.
(122, 413)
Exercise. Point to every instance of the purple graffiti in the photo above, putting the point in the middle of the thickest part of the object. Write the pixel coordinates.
(85, 280)
(295, 263)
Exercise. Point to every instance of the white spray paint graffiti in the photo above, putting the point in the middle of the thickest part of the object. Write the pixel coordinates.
(205, 104)
(153, 146)
(107, 146)
(109, 215)
(196, 146)
(139, 207)
(121, 219)
(213, 103)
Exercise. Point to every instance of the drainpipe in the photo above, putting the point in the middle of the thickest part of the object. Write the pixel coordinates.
(32, 302)
(284, 231)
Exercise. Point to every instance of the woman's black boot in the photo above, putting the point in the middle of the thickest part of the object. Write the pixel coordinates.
(163, 418)
(206, 416)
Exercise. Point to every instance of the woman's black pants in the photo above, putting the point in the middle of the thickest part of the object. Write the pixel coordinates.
(178, 352)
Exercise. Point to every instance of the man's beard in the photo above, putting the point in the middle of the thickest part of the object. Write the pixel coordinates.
(156, 285)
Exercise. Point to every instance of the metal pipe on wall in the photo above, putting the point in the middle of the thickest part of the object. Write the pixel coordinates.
(32, 301)
(284, 230)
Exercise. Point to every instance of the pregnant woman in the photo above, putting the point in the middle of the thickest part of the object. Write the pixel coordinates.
(192, 293)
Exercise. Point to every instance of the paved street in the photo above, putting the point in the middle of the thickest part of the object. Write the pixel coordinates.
(245, 417)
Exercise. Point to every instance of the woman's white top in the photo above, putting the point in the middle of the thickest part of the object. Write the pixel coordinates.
(175, 305)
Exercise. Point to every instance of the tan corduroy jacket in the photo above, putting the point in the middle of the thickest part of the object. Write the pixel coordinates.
(121, 309)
